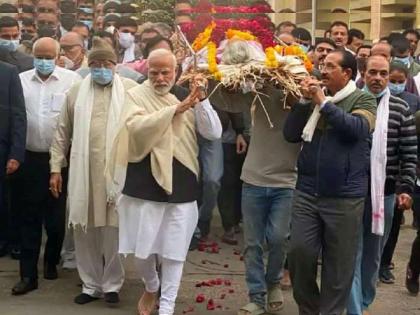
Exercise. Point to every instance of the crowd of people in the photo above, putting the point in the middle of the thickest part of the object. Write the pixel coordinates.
(101, 147)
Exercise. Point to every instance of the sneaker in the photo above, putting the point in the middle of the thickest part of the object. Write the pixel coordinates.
(386, 276)
(411, 282)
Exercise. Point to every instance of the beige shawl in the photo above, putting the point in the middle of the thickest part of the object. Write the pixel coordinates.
(149, 125)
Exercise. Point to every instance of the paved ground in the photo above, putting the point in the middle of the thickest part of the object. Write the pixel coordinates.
(55, 297)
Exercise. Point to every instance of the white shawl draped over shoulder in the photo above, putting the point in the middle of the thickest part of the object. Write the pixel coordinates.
(150, 125)
(78, 186)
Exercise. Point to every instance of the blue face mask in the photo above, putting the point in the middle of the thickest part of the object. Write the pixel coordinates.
(9, 45)
(102, 76)
(88, 23)
(44, 66)
(396, 89)
(86, 10)
(406, 61)
(304, 48)
(379, 95)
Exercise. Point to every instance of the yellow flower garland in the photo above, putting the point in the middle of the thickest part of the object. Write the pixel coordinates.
(203, 38)
(231, 33)
(212, 60)
(270, 58)
(295, 51)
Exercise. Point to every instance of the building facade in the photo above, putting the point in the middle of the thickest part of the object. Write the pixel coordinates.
(375, 18)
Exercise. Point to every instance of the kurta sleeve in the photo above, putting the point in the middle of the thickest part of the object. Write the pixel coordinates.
(207, 121)
(62, 139)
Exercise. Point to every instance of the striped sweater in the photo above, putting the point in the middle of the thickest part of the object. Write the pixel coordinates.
(401, 148)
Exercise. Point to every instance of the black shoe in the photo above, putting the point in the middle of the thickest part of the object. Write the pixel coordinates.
(3, 250)
(15, 253)
(386, 276)
(112, 297)
(411, 282)
(24, 286)
(195, 241)
(50, 272)
(84, 298)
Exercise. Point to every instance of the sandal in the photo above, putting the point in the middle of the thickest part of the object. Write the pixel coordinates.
(275, 300)
(146, 306)
(251, 309)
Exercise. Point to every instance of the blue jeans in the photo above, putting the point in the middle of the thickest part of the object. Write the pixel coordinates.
(368, 259)
(211, 160)
(266, 215)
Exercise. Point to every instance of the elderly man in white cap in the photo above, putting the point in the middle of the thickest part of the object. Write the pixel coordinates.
(88, 122)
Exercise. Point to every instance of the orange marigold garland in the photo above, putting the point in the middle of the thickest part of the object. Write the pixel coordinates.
(212, 60)
(298, 52)
(231, 33)
(204, 37)
(270, 58)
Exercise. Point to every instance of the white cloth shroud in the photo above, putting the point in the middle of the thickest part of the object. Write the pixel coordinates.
(78, 187)
(308, 131)
(378, 159)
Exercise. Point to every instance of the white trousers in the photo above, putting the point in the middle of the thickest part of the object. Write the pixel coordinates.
(98, 262)
(171, 274)
(68, 252)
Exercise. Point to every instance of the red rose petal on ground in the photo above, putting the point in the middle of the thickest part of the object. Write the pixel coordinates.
(219, 306)
(219, 281)
(231, 291)
(236, 252)
(226, 265)
(210, 305)
(198, 285)
(222, 296)
(227, 282)
(241, 258)
(200, 298)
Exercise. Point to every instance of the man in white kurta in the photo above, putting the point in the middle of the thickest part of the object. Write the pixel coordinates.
(157, 150)
(88, 122)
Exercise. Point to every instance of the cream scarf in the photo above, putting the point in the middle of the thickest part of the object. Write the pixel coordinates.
(308, 131)
(378, 159)
(79, 177)
(149, 126)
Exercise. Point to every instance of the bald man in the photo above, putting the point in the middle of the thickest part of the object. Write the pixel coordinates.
(158, 209)
(72, 52)
(382, 49)
(287, 38)
(44, 89)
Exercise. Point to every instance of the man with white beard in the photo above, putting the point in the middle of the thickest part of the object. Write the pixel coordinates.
(155, 160)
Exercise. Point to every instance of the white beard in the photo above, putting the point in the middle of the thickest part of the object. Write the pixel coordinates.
(164, 89)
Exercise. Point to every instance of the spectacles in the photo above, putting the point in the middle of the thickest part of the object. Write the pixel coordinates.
(101, 64)
(69, 47)
(44, 23)
(46, 10)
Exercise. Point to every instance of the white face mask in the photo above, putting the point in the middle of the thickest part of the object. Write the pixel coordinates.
(126, 40)
(68, 63)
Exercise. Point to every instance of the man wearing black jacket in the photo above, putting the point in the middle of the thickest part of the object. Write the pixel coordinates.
(12, 134)
(331, 186)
